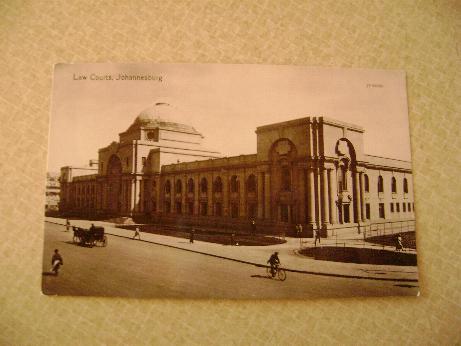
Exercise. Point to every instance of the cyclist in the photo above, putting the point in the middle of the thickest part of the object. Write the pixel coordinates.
(274, 262)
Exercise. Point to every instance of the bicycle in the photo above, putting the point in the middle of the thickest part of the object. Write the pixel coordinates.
(279, 273)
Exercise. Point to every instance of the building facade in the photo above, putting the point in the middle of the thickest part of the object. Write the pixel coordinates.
(311, 171)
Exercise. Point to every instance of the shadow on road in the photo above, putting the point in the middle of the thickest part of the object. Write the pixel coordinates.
(261, 276)
(48, 274)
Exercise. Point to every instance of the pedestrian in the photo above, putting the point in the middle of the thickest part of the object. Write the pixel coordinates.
(136, 233)
(253, 226)
(232, 238)
(300, 230)
(317, 236)
(398, 243)
(67, 225)
(192, 232)
(56, 262)
(297, 230)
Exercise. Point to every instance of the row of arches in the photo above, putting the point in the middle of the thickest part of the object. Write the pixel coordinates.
(217, 186)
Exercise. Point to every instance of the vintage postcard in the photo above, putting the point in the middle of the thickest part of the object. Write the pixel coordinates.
(228, 181)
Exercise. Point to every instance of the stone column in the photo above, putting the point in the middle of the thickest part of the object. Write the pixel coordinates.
(332, 188)
(362, 199)
(196, 194)
(311, 197)
(183, 195)
(267, 195)
(357, 195)
(225, 194)
(301, 195)
(324, 199)
(133, 196)
(260, 184)
(242, 194)
(209, 195)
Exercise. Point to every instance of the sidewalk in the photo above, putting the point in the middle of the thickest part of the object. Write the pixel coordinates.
(258, 255)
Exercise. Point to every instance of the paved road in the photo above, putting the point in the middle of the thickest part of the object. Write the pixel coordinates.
(132, 268)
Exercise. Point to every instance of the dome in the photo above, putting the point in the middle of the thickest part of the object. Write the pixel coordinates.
(161, 115)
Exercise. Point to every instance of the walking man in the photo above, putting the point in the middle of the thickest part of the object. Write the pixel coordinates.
(253, 226)
(191, 239)
(317, 236)
(56, 262)
(67, 225)
(136, 233)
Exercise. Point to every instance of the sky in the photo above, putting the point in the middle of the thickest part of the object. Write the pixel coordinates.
(224, 102)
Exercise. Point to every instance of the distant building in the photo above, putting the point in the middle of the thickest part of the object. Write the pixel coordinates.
(52, 191)
(311, 171)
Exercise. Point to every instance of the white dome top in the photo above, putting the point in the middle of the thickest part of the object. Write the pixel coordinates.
(161, 115)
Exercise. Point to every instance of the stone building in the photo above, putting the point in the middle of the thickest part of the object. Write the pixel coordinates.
(311, 171)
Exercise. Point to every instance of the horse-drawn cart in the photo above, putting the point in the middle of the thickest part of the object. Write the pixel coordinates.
(90, 237)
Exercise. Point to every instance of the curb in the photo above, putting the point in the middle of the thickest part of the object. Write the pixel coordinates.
(263, 265)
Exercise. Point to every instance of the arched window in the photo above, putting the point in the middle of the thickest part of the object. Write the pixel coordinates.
(286, 178)
(380, 184)
(167, 187)
(366, 183)
(234, 184)
(405, 185)
(251, 183)
(394, 185)
(217, 185)
(190, 185)
(203, 185)
(178, 186)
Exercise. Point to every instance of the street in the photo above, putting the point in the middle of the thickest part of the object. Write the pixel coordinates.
(132, 268)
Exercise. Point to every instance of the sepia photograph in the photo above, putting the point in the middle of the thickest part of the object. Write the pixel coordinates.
(213, 181)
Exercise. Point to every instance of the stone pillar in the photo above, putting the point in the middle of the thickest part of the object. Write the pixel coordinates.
(225, 194)
(267, 195)
(332, 188)
(301, 196)
(141, 196)
(357, 195)
(311, 197)
(242, 194)
(324, 199)
(209, 195)
(260, 184)
(183, 195)
(196, 194)
(133, 196)
(362, 199)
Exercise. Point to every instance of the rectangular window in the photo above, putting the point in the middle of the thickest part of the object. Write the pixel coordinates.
(397, 205)
(381, 211)
(252, 210)
(218, 209)
(347, 217)
(409, 206)
(392, 207)
(178, 208)
(191, 208)
(404, 207)
(284, 209)
(204, 208)
(367, 211)
(234, 210)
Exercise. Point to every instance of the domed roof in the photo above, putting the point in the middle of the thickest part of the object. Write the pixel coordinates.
(161, 115)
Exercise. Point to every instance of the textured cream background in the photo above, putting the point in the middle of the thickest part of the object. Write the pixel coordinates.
(421, 37)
